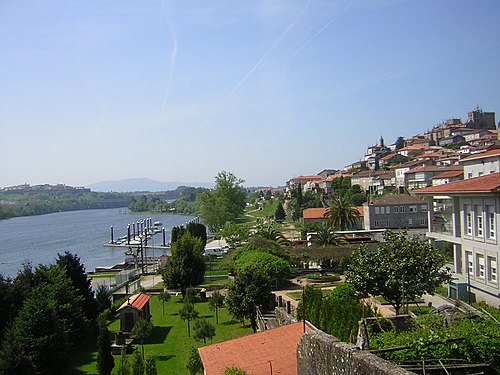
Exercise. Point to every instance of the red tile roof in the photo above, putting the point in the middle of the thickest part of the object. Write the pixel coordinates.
(488, 183)
(319, 213)
(308, 178)
(396, 199)
(137, 301)
(448, 174)
(314, 213)
(256, 353)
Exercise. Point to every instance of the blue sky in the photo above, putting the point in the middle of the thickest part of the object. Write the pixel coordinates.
(180, 90)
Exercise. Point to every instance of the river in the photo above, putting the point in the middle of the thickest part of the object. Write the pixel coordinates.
(38, 239)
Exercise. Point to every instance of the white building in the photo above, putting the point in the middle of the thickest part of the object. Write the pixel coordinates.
(466, 214)
(481, 164)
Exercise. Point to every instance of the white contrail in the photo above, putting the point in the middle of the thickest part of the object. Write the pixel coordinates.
(172, 56)
(259, 62)
(320, 31)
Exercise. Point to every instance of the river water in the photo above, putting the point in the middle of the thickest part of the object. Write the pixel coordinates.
(38, 239)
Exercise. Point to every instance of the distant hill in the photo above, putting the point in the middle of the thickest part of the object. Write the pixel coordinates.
(142, 184)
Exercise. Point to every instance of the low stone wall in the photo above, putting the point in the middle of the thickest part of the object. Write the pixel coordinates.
(322, 354)
(282, 317)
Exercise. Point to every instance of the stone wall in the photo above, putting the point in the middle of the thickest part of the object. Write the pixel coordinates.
(282, 317)
(321, 354)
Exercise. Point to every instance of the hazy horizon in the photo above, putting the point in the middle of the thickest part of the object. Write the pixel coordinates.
(178, 91)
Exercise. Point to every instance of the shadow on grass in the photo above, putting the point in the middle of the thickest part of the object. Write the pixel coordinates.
(158, 335)
(82, 355)
(207, 316)
(165, 357)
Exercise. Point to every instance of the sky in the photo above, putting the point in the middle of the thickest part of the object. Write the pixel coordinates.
(98, 90)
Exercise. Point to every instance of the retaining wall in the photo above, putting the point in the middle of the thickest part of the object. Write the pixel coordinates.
(322, 354)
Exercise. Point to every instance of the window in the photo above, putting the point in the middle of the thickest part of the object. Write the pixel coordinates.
(376, 223)
(410, 222)
(468, 219)
(388, 210)
(413, 209)
(402, 209)
(492, 269)
(491, 222)
(395, 209)
(382, 210)
(423, 208)
(479, 221)
(470, 264)
(469, 175)
(480, 266)
(385, 223)
(377, 210)
(422, 223)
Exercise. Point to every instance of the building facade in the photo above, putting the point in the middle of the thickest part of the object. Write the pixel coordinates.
(466, 214)
(396, 211)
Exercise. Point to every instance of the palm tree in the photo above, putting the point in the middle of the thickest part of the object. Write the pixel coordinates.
(326, 236)
(271, 233)
(341, 214)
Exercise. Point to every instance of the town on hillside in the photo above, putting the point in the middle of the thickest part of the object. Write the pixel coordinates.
(388, 266)
(443, 185)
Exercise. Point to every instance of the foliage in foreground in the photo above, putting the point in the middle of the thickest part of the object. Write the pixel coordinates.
(337, 314)
(430, 337)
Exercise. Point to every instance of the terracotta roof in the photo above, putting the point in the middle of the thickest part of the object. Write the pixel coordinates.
(448, 174)
(488, 183)
(396, 199)
(316, 177)
(257, 352)
(494, 152)
(319, 213)
(137, 301)
(435, 168)
(314, 213)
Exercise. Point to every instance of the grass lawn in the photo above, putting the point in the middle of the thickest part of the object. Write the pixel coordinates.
(169, 341)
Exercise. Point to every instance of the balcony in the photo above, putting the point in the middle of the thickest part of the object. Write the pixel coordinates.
(442, 217)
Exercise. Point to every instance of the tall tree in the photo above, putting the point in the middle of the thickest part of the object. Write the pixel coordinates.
(186, 267)
(280, 214)
(103, 297)
(216, 301)
(75, 270)
(224, 203)
(250, 288)
(188, 312)
(40, 335)
(163, 297)
(401, 268)
(341, 213)
(105, 360)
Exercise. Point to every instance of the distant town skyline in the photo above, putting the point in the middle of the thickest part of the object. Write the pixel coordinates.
(180, 90)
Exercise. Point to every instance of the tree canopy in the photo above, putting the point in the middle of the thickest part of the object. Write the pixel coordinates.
(251, 288)
(186, 267)
(274, 266)
(224, 203)
(400, 266)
